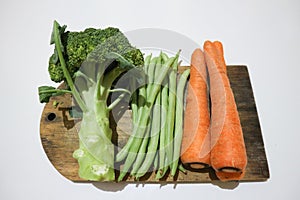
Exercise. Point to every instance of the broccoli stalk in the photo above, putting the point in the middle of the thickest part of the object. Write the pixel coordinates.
(58, 48)
(90, 87)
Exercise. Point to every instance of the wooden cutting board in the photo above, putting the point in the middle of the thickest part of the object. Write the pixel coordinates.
(59, 136)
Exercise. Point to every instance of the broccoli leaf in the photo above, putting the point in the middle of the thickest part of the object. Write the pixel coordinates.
(45, 92)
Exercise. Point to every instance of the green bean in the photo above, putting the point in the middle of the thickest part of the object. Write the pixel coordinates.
(155, 125)
(130, 158)
(121, 155)
(136, 138)
(165, 57)
(166, 139)
(164, 106)
(155, 164)
(153, 142)
(142, 97)
(146, 63)
(136, 143)
(161, 76)
(131, 148)
(151, 68)
(161, 173)
(171, 113)
(142, 90)
(181, 168)
(141, 153)
(179, 120)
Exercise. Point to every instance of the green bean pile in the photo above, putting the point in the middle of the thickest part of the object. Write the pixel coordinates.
(157, 113)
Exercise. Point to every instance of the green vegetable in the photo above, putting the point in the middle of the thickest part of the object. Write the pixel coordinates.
(45, 92)
(170, 121)
(148, 157)
(155, 164)
(163, 136)
(141, 153)
(90, 62)
(162, 149)
(181, 168)
(137, 157)
(153, 140)
(166, 143)
(134, 150)
(164, 56)
(92, 43)
(179, 120)
(139, 106)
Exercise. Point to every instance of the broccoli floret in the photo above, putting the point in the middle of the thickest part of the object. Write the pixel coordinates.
(117, 43)
(93, 44)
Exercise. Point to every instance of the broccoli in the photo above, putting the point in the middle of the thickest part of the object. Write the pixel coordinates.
(89, 62)
(94, 43)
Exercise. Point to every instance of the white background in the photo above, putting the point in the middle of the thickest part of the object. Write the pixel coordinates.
(264, 35)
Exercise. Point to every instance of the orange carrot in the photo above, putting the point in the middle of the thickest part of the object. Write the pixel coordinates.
(228, 152)
(195, 146)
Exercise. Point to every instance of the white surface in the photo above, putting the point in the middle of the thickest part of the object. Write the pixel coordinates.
(261, 34)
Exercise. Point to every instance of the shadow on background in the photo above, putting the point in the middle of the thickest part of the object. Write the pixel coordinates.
(110, 186)
(115, 187)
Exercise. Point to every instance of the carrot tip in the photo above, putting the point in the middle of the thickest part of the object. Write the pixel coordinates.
(196, 165)
(229, 169)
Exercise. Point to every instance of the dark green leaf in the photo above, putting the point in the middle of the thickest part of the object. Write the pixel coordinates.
(44, 97)
(54, 58)
(45, 92)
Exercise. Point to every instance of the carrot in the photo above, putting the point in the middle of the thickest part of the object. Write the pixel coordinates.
(196, 140)
(228, 152)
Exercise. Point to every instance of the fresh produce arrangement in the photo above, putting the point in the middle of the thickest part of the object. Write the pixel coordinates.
(181, 121)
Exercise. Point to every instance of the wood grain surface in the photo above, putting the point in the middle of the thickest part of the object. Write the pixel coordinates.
(59, 136)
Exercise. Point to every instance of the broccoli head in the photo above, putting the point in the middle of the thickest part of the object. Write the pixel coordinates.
(92, 44)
